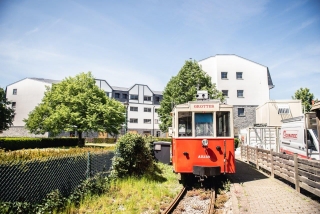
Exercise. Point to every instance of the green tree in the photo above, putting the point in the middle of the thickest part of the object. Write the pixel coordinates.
(6, 112)
(183, 88)
(76, 104)
(305, 96)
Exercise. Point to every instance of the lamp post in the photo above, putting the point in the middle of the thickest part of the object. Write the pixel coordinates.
(126, 104)
(153, 120)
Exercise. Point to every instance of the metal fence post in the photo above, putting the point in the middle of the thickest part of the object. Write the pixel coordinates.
(272, 167)
(296, 175)
(88, 166)
(241, 151)
(257, 163)
(247, 159)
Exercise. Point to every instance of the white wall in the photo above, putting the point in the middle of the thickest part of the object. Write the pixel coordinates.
(254, 83)
(29, 94)
(141, 115)
(104, 86)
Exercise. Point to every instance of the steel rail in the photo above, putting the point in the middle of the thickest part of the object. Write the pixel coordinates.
(212, 201)
(175, 201)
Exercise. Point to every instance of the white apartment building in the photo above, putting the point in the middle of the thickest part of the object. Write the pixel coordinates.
(142, 104)
(25, 95)
(245, 84)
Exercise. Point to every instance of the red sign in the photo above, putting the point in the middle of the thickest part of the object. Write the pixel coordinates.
(290, 134)
(204, 106)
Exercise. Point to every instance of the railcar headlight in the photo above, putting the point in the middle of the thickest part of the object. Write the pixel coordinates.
(205, 143)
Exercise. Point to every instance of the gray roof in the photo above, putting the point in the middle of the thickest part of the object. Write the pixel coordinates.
(157, 92)
(119, 88)
(45, 80)
(231, 55)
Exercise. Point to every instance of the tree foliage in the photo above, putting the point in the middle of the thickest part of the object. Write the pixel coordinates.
(183, 88)
(6, 112)
(76, 104)
(305, 96)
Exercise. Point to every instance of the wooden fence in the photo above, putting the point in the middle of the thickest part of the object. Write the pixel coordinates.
(302, 173)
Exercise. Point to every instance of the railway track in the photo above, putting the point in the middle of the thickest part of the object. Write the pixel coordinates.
(205, 197)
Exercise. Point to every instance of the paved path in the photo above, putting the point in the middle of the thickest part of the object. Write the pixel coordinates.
(253, 192)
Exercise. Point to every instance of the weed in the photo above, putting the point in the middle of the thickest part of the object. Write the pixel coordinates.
(221, 200)
(197, 207)
(226, 185)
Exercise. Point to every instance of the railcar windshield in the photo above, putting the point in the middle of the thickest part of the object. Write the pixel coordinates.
(223, 124)
(185, 124)
(204, 124)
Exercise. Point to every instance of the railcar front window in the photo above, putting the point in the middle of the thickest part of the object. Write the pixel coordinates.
(185, 124)
(223, 124)
(204, 124)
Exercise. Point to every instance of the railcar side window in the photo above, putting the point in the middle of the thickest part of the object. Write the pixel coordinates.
(185, 124)
(223, 124)
(204, 124)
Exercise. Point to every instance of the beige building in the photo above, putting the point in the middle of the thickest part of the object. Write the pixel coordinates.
(273, 111)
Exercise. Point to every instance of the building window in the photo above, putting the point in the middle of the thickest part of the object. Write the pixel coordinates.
(225, 93)
(156, 121)
(133, 120)
(117, 95)
(133, 97)
(241, 112)
(156, 110)
(157, 99)
(147, 98)
(146, 133)
(133, 108)
(158, 133)
(239, 75)
(147, 121)
(13, 104)
(147, 110)
(107, 94)
(239, 93)
(224, 75)
(14, 92)
(124, 96)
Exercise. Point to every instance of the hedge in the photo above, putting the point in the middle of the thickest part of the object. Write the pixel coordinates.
(163, 139)
(101, 140)
(32, 143)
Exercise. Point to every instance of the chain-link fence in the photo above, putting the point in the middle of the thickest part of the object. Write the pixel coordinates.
(31, 181)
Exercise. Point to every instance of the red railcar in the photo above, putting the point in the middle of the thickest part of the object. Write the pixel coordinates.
(203, 138)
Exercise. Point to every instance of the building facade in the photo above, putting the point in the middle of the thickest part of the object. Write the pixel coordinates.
(140, 101)
(244, 83)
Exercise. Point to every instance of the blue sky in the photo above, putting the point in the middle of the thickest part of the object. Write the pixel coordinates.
(147, 42)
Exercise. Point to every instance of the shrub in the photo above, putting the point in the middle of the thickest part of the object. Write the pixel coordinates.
(132, 156)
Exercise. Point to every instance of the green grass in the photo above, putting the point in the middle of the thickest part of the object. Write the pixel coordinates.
(134, 195)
